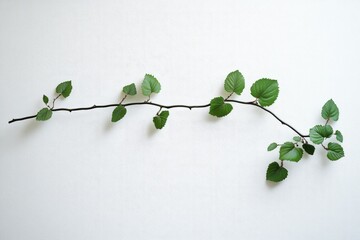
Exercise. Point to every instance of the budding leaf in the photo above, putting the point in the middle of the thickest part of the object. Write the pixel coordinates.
(44, 114)
(330, 111)
(319, 133)
(275, 172)
(130, 89)
(118, 113)
(297, 139)
(234, 82)
(288, 151)
(272, 146)
(219, 108)
(64, 88)
(45, 99)
(266, 91)
(339, 136)
(310, 149)
(160, 120)
(150, 85)
(335, 151)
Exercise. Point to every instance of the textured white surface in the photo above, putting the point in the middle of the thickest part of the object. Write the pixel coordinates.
(80, 177)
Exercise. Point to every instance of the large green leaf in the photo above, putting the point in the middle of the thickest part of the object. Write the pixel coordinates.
(288, 151)
(150, 85)
(44, 114)
(219, 108)
(335, 151)
(330, 111)
(160, 119)
(64, 88)
(339, 136)
(130, 89)
(319, 133)
(310, 149)
(275, 172)
(234, 82)
(118, 113)
(266, 91)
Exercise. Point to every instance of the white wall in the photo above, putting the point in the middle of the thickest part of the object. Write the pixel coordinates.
(79, 176)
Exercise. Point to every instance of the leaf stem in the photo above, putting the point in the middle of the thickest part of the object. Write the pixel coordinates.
(159, 111)
(324, 147)
(123, 99)
(53, 103)
(229, 96)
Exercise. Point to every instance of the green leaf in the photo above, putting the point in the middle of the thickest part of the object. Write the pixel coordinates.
(234, 82)
(64, 88)
(339, 136)
(330, 111)
(335, 151)
(45, 99)
(266, 91)
(319, 133)
(160, 119)
(44, 114)
(219, 108)
(272, 146)
(118, 113)
(288, 151)
(130, 89)
(297, 139)
(150, 85)
(310, 149)
(275, 172)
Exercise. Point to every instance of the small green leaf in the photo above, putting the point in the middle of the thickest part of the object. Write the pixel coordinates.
(160, 119)
(130, 89)
(297, 139)
(339, 136)
(150, 85)
(310, 149)
(272, 146)
(266, 91)
(335, 151)
(219, 108)
(44, 114)
(319, 133)
(118, 113)
(64, 88)
(330, 111)
(275, 172)
(234, 82)
(45, 99)
(288, 151)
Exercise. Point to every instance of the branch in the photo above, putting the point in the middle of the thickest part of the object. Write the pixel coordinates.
(265, 91)
(164, 106)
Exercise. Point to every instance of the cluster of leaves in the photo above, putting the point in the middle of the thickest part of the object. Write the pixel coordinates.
(63, 90)
(293, 150)
(265, 91)
(149, 86)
